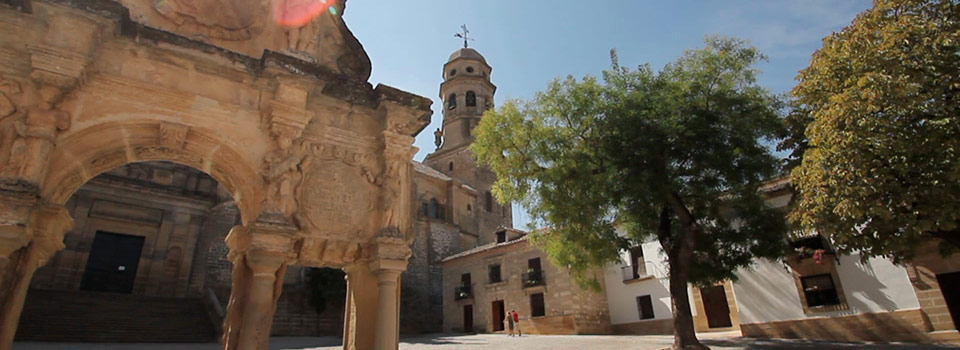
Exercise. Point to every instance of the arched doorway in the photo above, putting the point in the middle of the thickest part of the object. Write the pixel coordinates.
(144, 262)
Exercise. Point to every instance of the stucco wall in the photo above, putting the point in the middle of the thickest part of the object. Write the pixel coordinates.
(767, 292)
(622, 297)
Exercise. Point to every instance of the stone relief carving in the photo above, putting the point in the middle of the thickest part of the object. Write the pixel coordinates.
(30, 127)
(221, 19)
(283, 173)
(335, 199)
(173, 135)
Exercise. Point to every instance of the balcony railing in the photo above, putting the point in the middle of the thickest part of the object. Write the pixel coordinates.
(635, 271)
(534, 278)
(462, 292)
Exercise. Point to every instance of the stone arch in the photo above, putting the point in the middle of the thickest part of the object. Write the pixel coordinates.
(86, 153)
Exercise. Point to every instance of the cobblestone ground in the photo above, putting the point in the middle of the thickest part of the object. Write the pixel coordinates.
(499, 342)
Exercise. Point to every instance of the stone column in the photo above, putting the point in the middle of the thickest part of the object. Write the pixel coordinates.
(260, 254)
(261, 298)
(360, 312)
(43, 231)
(388, 281)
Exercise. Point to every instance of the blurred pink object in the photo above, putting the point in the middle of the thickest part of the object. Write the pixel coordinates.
(296, 13)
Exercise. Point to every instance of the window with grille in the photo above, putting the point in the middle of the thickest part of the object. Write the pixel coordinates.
(536, 305)
(645, 307)
(819, 290)
(493, 274)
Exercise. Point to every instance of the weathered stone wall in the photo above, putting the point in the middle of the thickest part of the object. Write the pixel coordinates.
(163, 202)
(569, 308)
(297, 316)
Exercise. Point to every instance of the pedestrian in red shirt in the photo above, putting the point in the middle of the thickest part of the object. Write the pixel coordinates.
(516, 321)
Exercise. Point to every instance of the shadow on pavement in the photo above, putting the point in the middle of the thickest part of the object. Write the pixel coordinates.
(782, 344)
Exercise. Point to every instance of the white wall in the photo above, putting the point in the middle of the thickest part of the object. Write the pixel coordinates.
(767, 291)
(622, 297)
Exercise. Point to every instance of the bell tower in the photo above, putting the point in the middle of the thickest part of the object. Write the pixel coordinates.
(466, 93)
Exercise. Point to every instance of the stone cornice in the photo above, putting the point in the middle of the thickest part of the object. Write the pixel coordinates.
(336, 85)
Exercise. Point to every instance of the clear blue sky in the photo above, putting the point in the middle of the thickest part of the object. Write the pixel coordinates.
(530, 42)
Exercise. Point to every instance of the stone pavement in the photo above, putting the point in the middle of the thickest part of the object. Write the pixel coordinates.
(717, 341)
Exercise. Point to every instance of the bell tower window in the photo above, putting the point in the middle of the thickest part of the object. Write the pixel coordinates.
(471, 99)
(452, 101)
(469, 69)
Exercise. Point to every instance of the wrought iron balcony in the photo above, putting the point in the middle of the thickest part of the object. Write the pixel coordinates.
(462, 292)
(534, 278)
(633, 272)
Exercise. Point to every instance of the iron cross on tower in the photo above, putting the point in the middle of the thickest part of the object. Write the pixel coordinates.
(464, 35)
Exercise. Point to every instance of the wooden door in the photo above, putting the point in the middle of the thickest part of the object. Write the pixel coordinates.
(468, 318)
(950, 287)
(112, 263)
(716, 307)
(498, 315)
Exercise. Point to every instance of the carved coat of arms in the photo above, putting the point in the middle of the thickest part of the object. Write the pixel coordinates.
(222, 19)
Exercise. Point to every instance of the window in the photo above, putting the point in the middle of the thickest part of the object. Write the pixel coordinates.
(637, 264)
(489, 201)
(435, 209)
(469, 69)
(471, 99)
(536, 305)
(432, 210)
(425, 209)
(819, 290)
(493, 274)
(645, 307)
(468, 207)
(465, 279)
(533, 264)
(452, 101)
(501, 236)
(453, 72)
(450, 166)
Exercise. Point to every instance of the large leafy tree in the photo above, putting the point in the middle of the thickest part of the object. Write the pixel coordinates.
(675, 155)
(875, 119)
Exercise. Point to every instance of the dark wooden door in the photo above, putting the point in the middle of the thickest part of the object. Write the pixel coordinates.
(468, 318)
(950, 287)
(716, 307)
(498, 315)
(112, 264)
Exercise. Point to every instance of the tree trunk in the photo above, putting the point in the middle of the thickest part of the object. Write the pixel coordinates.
(680, 252)
(684, 333)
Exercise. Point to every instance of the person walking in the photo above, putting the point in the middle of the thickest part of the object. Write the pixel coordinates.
(516, 320)
(509, 320)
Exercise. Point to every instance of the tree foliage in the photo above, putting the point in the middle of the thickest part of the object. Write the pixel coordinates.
(875, 120)
(675, 156)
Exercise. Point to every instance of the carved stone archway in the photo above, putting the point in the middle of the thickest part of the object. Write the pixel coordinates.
(318, 160)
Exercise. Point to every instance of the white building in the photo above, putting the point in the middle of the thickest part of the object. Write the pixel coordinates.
(814, 294)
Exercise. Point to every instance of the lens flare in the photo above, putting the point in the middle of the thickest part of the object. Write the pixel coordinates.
(296, 13)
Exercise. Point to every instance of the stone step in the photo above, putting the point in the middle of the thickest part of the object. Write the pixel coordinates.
(82, 316)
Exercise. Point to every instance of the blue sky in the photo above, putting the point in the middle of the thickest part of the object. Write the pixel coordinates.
(530, 42)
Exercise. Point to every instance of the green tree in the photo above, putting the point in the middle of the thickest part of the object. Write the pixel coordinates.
(875, 120)
(675, 156)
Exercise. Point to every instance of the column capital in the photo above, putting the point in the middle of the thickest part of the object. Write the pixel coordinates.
(262, 239)
(388, 267)
(48, 225)
(265, 263)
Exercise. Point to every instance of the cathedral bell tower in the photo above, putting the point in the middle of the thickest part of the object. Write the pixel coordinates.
(466, 93)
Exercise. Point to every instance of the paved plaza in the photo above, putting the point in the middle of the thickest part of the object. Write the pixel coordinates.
(721, 341)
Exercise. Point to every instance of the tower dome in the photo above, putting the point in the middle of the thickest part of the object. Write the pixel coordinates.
(466, 53)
